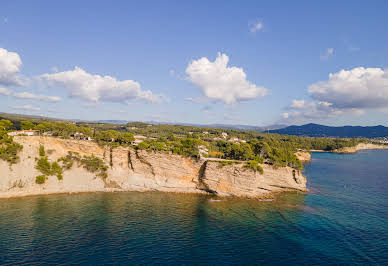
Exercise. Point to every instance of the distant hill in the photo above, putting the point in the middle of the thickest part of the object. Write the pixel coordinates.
(315, 130)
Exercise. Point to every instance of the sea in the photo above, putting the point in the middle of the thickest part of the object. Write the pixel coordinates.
(342, 220)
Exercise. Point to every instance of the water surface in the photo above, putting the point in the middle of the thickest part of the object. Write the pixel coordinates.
(342, 220)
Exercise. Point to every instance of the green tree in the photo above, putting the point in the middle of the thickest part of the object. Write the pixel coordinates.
(5, 124)
(125, 138)
(26, 125)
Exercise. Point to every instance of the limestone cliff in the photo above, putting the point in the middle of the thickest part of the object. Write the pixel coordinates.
(131, 170)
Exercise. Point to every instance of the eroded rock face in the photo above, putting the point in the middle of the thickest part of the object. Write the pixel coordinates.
(237, 180)
(132, 170)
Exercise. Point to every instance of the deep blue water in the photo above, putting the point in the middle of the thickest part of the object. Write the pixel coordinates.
(343, 220)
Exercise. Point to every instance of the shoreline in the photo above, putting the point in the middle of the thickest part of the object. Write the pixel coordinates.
(269, 195)
(355, 149)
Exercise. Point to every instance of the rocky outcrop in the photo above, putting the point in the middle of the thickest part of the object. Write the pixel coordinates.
(361, 146)
(303, 156)
(137, 170)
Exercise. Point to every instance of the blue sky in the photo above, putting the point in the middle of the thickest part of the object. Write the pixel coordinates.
(232, 62)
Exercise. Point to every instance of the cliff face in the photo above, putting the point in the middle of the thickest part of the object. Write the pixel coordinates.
(132, 170)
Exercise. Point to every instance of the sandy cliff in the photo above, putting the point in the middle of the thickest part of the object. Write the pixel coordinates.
(132, 170)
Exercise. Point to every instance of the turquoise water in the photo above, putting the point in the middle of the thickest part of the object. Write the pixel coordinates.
(342, 220)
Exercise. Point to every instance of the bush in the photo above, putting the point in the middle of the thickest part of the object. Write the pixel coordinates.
(42, 153)
(254, 165)
(40, 179)
(56, 170)
(91, 163)
(143, 146)
(44, 166)
(9, 149)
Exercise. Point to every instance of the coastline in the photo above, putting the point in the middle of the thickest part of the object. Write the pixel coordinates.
(131, 170)
(355, 149)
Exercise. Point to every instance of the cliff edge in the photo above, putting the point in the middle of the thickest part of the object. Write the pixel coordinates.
(139, 170)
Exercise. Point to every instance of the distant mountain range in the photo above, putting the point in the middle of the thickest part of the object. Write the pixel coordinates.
(315, 130)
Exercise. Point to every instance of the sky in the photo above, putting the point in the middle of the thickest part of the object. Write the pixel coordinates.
(231, 62)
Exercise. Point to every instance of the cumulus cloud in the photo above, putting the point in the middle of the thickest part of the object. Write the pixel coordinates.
(27, 108)
(256, 27)
(222, 83)
(28, 95)
(329, 52)
(356, 88)
(301, 110)
(95, 88)
(348, 91)
(10, 65)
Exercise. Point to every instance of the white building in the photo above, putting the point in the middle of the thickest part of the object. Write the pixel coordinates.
(28, 132)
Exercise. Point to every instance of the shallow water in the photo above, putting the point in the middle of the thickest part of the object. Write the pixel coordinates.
(342, 220)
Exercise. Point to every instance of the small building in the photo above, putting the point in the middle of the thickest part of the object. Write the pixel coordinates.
(224, 135)
(205, 132)
(81, 136)
(27, 132)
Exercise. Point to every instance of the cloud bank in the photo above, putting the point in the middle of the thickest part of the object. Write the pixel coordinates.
(352, 91)
(28, 95)
(95, 88)
(220, 82)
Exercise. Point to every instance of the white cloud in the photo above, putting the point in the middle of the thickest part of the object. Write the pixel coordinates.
(4, 91)
(352, 92)
(361, 88)
(27, 107)
(95, 88)
(329, 52)
(10, 65)
(222, 83)
(256, 27)
(28, 95)
(300, 110)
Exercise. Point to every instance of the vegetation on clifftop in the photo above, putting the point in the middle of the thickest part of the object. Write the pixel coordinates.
(8, 148)
(196, 142)
(91, 163)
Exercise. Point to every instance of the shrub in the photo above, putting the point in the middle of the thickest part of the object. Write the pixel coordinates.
(91, 163)
(215, 154)
(44, 166)
(142, 146)
(67, 161)
(42, 153)
(254, 165)
(9, 149)
(40, 179)
(56, 170)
